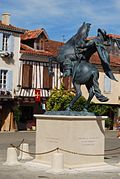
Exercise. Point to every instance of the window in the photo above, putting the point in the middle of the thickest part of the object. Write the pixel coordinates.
(107, 84)
(47, 80)
(41, 45)
(6, 80)
(6, 42)
(3, 79)
(27, 76)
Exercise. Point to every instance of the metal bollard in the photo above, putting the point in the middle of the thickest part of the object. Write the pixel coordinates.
(24, 155)
(11, 157)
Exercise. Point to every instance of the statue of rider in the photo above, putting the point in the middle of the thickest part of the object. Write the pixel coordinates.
(86, 50)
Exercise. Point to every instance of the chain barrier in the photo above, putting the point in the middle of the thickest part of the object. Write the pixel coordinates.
(71, 152)
(108, 150)
(64, 150)
(20, 143)
(31, 153)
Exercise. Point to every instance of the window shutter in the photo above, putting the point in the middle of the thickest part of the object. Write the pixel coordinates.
(50, 81)
(67, 82)
(10, 44)
(47, 80)
(9, 80)
(27, 76)
(41, 45)
(1, 41)
(107, 84)
(0, 79)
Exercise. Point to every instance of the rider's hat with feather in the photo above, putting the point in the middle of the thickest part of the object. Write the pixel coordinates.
(103, 33)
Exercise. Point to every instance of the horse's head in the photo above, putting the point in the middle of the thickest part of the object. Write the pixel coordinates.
(83, 30)
(82, 33)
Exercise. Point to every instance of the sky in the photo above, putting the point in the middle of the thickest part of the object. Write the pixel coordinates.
(62, 18)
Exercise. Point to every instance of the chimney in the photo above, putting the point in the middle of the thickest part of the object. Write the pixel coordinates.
(6, 18)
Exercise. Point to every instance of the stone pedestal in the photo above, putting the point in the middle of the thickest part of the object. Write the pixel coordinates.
(81, 134)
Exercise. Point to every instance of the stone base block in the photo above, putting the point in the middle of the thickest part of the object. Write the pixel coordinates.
(82, 135)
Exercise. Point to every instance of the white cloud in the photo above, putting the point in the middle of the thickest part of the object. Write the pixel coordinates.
(63, 17)
(40, 8)
(117, 4)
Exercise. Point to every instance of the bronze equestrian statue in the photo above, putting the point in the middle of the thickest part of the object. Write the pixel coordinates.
(74, 59)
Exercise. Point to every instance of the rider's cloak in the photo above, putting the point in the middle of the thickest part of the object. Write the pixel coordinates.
(105, 60)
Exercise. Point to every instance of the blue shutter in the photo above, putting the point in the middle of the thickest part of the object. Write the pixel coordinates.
(9, 80)
(10, 44)
(107, 84)
(1, 41)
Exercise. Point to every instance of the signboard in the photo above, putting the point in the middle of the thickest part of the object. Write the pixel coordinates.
(37, 95)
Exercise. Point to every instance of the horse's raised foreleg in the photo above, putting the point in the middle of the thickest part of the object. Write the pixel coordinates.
(78, 94)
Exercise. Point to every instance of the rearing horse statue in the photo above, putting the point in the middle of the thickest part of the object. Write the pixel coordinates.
(74, 59)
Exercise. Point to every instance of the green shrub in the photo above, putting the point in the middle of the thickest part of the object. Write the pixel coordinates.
(108, 123)
(17, 113)
(100, 109)
(60, 99)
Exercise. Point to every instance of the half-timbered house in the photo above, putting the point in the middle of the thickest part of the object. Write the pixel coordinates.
(34, 82)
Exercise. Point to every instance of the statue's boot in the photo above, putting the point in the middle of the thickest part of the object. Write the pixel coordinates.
(97, 91)
(102, 98)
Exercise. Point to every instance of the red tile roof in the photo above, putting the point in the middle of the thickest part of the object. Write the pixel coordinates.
(33, 34)
(114, 60)
(28, 50)
(11, 28)
(53, 46)
(114, 36)
(109, 35)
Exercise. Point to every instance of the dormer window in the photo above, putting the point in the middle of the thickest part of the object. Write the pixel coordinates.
(40, 45)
